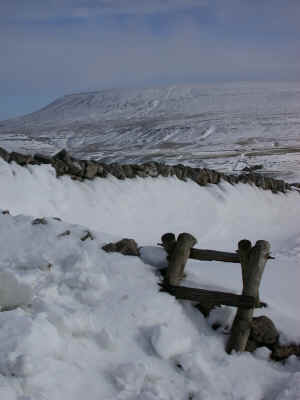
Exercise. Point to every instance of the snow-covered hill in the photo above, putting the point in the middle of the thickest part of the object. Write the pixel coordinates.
(94, 325)
(194, 124)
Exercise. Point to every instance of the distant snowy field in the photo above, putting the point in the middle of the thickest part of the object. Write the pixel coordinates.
(93, 325)
(198, 125)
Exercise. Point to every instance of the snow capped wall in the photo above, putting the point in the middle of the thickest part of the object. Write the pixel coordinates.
(146, 208)
(94, 325)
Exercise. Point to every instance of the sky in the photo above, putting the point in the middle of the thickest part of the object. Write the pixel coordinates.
(54, 47)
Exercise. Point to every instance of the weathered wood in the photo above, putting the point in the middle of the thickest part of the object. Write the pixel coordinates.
(178, 258)
(213, 255)
(253, 261)
(210, 296)
(169, 243)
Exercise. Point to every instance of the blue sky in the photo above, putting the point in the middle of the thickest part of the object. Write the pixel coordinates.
(53, 47)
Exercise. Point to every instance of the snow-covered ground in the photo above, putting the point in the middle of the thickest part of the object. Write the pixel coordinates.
(93, 325)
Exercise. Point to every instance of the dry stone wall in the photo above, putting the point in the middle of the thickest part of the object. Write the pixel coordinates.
(65, 164)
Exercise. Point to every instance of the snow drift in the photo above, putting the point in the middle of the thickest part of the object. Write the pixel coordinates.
(94, 325)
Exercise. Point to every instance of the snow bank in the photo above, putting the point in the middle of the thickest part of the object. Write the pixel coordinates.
(94, 325)
(146, 208)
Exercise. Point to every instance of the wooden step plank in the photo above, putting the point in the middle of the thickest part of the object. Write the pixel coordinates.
(214, 255)
(210, 296)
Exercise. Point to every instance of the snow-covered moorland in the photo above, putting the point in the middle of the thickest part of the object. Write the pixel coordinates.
(94, 325)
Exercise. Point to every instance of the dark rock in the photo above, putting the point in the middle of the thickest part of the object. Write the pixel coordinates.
(4, 154)
(202, 178)
(86, 236)
(108, 168)
(101, 171)
(139, 170)
(263, 332)
(268, 183)
(76, 168)
(243, 178)
(215, 176)
(64, 163)
(117, 171)
(281, 353)
(77, 178)
(39, 221)
(251, 179)
(60, 167)
(179, 366)
(91, 170)
(41, 159)
(253, 168)
(151, 169)
(62, 155)
(57, 219)
(259, 180)
(180, 172)
(278, 185)
(21, 159)
(127, 247)
(128, 171)
(5, 212)
(65, 233)
(164, 170)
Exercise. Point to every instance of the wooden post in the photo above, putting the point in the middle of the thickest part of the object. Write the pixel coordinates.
(168, 242)
(253, 261)
(178, 258)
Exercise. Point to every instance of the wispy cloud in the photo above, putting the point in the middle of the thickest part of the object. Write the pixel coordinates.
(66, 45)
(35, 9)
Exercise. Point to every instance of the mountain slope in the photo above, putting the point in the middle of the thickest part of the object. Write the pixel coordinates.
(196, 124)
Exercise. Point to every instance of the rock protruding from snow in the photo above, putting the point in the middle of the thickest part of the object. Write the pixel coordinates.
(127, 247)
(263, 331)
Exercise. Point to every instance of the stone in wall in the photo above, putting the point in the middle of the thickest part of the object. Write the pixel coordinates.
(21, 159)
(91, 170)
(4, 154)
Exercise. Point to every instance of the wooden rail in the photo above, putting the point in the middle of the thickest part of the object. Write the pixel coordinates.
(169, 242)
(211, 296)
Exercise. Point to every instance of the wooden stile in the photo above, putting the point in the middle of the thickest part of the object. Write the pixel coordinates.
(252, 260)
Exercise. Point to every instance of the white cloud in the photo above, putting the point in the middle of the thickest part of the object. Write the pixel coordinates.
(65, 57)
(91, 58)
